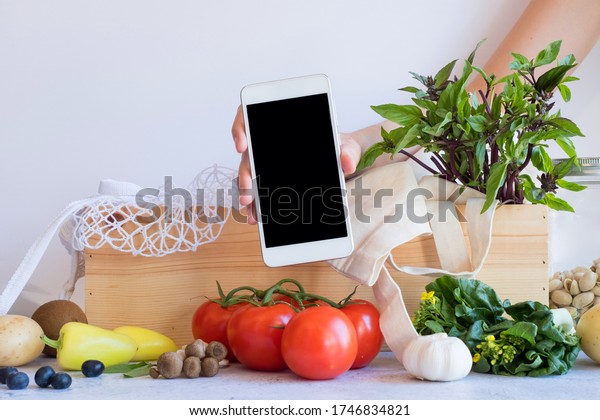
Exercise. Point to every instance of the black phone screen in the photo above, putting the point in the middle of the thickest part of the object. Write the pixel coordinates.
(297, 174)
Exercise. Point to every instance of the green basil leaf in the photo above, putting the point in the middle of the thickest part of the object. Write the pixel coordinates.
(550, 132)
(395, 135)
(568, 60)
(541, 160)
(563, 168)
(567, 125)
(400, 114)
(478, 123)
(447, 99)
(497, 107)
(488, 79)
(418, 77)
(480, 152)
(538, 195)
(425, 104)
(567, 146)
(532, 193)
(520, 62)
(526, 180)
(548, 81)
(471, 57)
(548, 55)
(405, 139)
(442, 125)
(370, 155)
(565, 92)
(495, 181)
(556, 203)
(410, 89)
(570, 186)
(444, 74)
(569, 78)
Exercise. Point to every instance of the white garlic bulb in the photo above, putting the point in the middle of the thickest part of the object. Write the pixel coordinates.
(437, 357)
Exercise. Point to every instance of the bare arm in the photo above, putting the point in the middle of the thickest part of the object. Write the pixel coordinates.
(575, 22)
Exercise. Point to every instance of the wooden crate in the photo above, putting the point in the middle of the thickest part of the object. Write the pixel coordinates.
(162, 293)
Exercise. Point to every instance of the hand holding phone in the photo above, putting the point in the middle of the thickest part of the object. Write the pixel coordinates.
(298, 184)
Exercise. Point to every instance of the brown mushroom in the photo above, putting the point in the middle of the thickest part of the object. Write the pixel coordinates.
(169, 364)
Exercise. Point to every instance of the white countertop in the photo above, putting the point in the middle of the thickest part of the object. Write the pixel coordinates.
(384, 379)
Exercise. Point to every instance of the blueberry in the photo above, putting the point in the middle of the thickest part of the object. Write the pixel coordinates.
(5, 371)
(60, 380)
(92, 368)
(17, 380)
(43, 376)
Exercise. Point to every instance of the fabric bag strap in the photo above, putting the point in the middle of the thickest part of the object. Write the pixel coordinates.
(377, 231)
(32, 258)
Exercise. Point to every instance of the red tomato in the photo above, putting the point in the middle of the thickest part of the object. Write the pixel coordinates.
(365, 317)
(319, 343)
(254, 334)
(209, 323)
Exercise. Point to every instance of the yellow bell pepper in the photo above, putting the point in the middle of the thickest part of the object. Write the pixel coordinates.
(150, 344)
(78, 342)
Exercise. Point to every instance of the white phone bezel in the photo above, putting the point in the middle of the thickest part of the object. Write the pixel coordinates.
(308, 251)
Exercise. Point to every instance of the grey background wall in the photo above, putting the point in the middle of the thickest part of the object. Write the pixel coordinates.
(138, 90)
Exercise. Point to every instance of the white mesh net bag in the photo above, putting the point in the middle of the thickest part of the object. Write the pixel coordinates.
(150, 222)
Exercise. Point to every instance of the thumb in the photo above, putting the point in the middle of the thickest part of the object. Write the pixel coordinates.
(350, 153)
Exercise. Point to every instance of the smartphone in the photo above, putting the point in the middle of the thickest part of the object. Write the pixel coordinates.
(298, 183)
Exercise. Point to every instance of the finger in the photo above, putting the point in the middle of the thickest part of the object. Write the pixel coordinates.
(350, 153)
(245, 181)
(238, 132)
(251, 213)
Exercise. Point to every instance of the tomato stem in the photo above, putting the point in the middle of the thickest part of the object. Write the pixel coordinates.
(346, 300)
(231, 294)
(284, 292)
(312, 296)
(258, 297)
(293, 281)
(220, 290)
(267, 298)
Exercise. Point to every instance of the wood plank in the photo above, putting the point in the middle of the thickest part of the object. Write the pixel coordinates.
(163, 293)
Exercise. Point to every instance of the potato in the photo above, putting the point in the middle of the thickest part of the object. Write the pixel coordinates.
(588, 330)
(20, 341)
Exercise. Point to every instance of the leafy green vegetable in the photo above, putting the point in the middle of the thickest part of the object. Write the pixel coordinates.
(526, 343)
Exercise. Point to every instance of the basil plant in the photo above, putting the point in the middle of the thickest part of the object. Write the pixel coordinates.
(486, 139)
